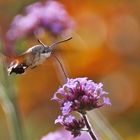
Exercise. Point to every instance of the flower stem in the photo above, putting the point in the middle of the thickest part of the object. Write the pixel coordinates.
(88, 125)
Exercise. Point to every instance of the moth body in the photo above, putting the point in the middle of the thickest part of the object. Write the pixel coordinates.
(33, 57)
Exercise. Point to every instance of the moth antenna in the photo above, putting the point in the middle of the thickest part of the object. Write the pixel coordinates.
(41, 42)
(58, 42)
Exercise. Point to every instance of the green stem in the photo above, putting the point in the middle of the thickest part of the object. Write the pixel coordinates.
(88, 125)
(13, 119)
(10, 107)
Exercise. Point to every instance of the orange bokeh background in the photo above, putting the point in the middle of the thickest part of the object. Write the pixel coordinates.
(105, 47)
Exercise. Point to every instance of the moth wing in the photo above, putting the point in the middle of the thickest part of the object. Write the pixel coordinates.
(19, 59)
(22, 57)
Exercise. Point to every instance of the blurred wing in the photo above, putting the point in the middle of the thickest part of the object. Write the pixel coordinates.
(25, 58)
(22, 57)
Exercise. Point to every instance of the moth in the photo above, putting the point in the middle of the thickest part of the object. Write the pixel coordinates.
(33, 57)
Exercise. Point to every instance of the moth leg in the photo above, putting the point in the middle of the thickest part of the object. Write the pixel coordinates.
(33, 67)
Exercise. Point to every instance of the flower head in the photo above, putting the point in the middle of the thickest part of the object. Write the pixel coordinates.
(38, 16)
(74, 126)
(81, 95)
(71, 124)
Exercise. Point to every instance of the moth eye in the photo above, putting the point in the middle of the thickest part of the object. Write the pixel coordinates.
(44, 51)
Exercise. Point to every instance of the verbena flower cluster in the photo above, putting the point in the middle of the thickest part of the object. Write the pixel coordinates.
(79, 95)
(39, 16)
(71, 124)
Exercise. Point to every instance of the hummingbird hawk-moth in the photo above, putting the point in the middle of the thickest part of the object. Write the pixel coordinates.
(33, 57)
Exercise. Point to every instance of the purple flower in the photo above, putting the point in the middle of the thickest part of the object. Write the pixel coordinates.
(59, 119)
(51, 16)
(71, 124)
(106, 101)
(66, 109)
(64, 135)
(69, 119)
(81, 95)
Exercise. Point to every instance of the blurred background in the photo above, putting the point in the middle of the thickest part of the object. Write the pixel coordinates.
(105, 47)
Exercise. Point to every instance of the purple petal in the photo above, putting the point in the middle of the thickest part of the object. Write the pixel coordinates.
(106, 101)
(66, 108)
(56, 98)
(59, 119)
(69, 119)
